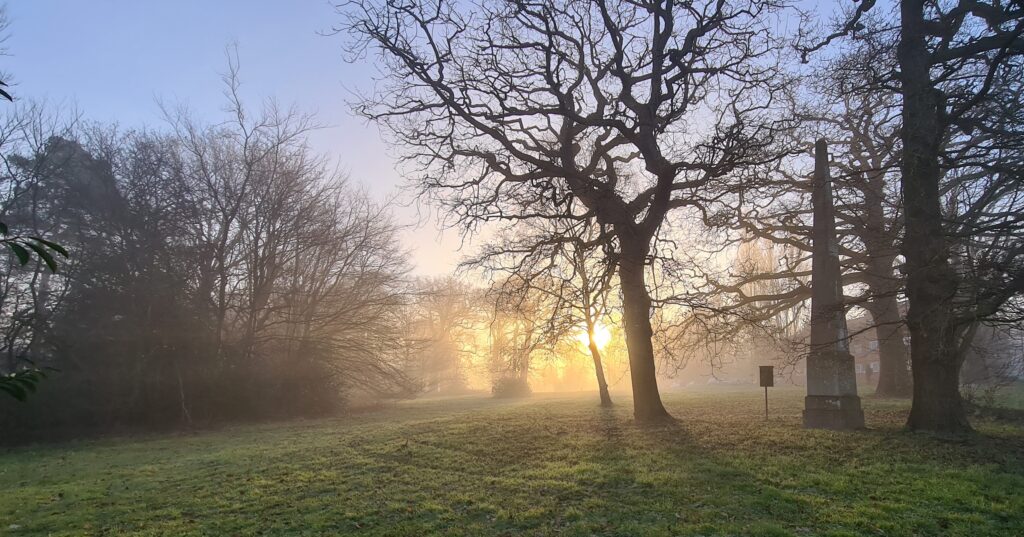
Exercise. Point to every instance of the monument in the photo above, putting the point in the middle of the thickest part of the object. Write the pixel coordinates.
(832, 401)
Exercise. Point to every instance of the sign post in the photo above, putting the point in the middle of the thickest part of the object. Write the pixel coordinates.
(767, 381)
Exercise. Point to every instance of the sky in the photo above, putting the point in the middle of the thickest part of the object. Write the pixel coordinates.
(115, 59)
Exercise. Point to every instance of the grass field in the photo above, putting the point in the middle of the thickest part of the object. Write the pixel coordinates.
(550, 465)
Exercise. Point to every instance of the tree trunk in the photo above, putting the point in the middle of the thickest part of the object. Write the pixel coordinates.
(931, 282)
(602, 384)
(938, 406)
(40, 314)
(893, 376)
(636, 318)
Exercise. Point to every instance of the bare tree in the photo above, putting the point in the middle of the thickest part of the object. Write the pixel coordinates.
(959, 73)
(521, 330)
(957, 61)
(20, 379)
(562, 262)
(219, 272)
(611, 111)
(446, 319)
(864, 126)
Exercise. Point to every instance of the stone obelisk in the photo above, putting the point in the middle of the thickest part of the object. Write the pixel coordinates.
(832, 401)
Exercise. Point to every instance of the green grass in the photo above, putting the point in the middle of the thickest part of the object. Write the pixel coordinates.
(1011, 397)
(551, 465)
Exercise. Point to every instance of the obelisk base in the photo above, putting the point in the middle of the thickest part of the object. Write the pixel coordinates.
(835, 412)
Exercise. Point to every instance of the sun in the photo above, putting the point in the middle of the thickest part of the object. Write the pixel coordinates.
(602, 336)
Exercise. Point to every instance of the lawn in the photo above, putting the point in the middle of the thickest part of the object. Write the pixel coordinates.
(550, 465)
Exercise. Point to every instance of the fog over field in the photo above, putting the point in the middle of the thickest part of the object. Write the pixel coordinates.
(545, 267)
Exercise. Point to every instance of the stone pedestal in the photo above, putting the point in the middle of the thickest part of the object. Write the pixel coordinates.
(836, 412)
(832, 401)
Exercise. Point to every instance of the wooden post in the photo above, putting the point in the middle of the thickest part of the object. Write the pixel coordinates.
(766, 403)
(767, 374)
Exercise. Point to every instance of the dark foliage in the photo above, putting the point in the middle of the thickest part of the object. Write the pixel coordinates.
(213, 275)
(509, 387)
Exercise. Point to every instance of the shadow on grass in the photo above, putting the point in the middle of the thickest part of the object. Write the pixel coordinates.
(550, 465)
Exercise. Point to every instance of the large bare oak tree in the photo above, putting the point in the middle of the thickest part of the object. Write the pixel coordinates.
(632, 109)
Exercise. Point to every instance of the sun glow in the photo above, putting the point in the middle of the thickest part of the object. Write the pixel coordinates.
(602, 336)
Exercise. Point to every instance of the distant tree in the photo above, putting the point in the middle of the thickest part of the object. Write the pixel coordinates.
(446, 318)
(521, 329)
(218, 272)
(21, 379)
(562, 262)
(861, 120)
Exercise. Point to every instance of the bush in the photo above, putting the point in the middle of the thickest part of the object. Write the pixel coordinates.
(511, 387)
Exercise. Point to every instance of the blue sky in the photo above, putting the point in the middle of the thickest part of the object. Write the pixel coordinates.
(114, 59)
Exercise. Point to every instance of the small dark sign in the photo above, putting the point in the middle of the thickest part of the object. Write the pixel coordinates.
(767, 376)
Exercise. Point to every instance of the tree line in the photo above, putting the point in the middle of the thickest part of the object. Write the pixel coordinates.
(216, 271)
(221, 272)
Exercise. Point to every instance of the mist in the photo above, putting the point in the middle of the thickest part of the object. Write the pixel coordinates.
(557, 267)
